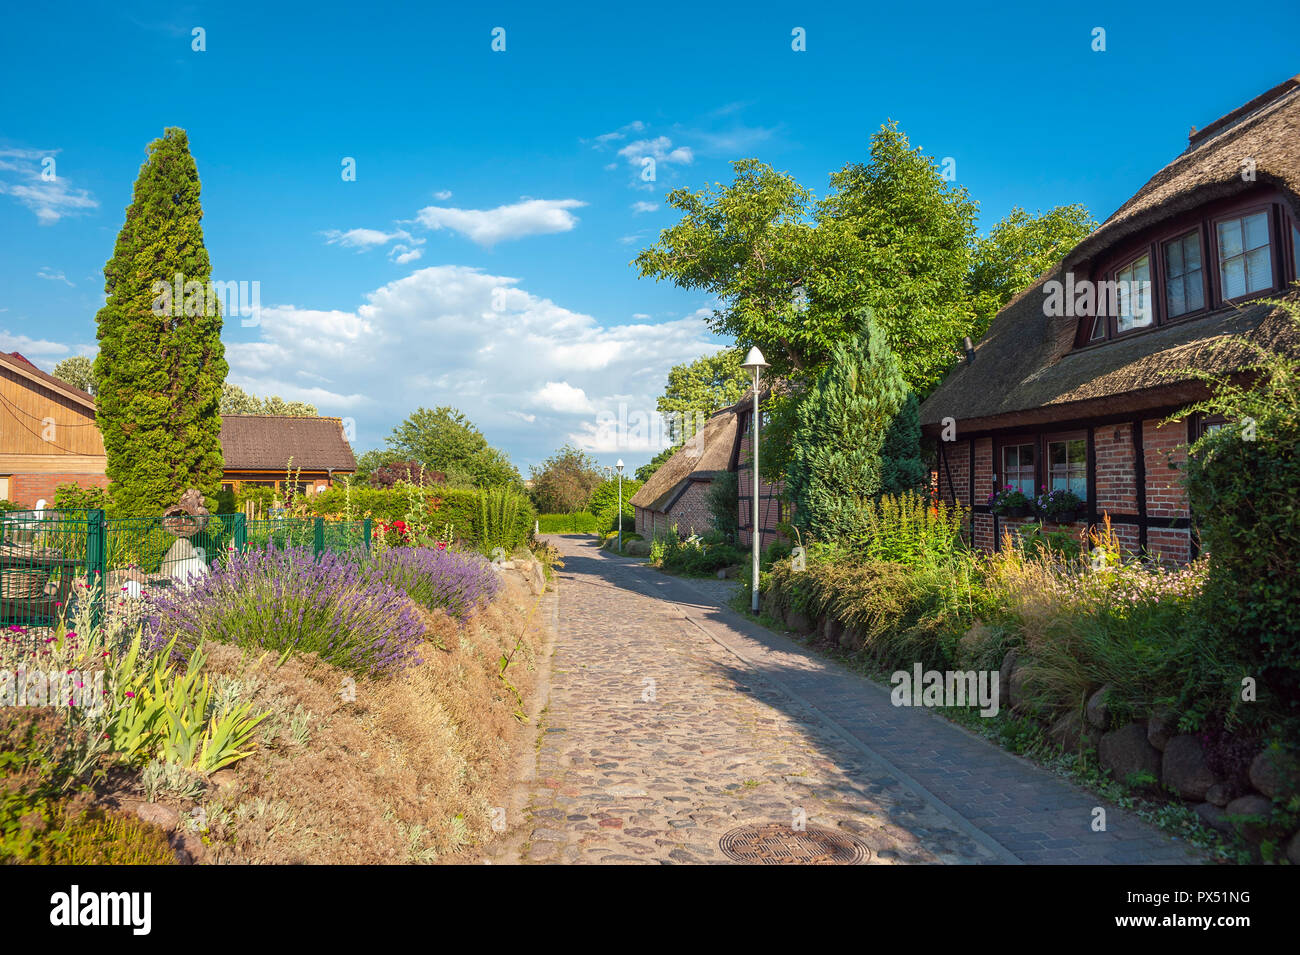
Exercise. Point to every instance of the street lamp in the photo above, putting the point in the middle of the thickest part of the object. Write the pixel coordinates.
(755, 362)
(619, 465)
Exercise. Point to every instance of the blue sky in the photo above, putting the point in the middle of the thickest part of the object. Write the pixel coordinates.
(480, 258)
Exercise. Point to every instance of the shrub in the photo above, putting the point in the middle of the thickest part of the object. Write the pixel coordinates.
(578, 522)
(291, 601)
(695, 556)
(443, 508)
(909, 529)
(439, 579)
(724, 504)
(1241, 482)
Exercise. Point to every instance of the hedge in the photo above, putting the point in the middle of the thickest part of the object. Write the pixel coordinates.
(460, 509)
(579, 522)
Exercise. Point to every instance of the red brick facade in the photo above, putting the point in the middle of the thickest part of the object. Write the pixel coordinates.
(689, 513)
(1132, 476)
(771, 509)
(26, 490)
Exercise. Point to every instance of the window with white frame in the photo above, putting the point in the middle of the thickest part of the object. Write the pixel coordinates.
(1067, 465)
(1018, 468)
(1134, 295)
(1245, 258)
(1184, 276)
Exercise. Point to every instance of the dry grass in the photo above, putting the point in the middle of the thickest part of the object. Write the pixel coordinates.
(407, 772)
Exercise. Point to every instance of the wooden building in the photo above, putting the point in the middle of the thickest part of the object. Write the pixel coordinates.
(48, 437)
(1082, 379)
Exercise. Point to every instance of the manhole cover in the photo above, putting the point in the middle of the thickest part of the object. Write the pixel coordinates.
(775, 844)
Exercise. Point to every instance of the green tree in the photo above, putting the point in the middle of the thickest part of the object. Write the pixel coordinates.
(790, 272)
(840, 433)
(563, 482)
(235, 400)
(604, 504)
(161, 362)
(443, 439)
(78, 371)
(697, 389)
(1017, 251)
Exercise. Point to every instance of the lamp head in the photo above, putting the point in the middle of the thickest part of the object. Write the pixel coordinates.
(754, 361)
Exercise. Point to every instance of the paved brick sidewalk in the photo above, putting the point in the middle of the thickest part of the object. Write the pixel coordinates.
(672, 719)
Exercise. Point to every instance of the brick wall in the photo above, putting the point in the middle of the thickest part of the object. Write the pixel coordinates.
(770, 511)
(27, 489)
(1165, 496)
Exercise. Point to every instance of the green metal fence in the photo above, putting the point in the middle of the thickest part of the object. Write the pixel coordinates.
(50, 561)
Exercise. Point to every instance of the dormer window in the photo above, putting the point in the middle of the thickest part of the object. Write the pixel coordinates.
(1134, 296)
(1219, 255)
(1184, 276)
(1245, 259)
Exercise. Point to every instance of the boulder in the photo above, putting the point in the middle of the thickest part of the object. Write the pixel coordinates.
(831, 630)
(1183, 769)
(850, 639)
(1125, 753)
(1218, 795)
(1213, 816)
(1252, 805)
(637, 548)
(1161, 727)
(162, 816)
(798, 621)
(1004, 678)
(536, 577)
(1097, 709)
(1072, 733)
(1275, 774)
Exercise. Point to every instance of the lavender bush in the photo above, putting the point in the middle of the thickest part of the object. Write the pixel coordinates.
(293, 601)
(439, 579)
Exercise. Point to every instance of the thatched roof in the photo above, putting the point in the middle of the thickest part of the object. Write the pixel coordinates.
(1025, 370)
(710, 451)
(268, 442)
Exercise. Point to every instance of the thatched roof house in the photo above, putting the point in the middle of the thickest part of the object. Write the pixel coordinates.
(1071, 384)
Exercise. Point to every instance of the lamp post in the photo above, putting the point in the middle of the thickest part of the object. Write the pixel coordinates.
(755, 362)
(619, 465)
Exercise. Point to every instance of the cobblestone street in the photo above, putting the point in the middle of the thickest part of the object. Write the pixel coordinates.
(672, 720)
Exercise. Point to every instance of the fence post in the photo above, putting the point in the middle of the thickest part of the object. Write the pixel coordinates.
(365, 530)
(96, 565)
(241, 532)
(318, 534)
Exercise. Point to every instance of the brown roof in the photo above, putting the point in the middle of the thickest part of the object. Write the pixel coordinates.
(267, 442)
(24, 366)
(699, 459)
(1026, 365)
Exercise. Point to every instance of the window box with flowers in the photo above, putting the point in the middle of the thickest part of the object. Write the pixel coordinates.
(1059, 506)
(1009, 502)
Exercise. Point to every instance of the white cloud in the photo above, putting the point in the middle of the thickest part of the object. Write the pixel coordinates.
(364, 239)
(402, 253)
(54, 276)
(32, 347)
(21, 176)
(489, 226)
(531, 373)
(604, 139)
(640, 207)
(660, 148)
(442, 195)
(563, 397)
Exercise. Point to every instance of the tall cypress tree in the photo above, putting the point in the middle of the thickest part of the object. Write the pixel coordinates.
(856, 436)
(161, 363)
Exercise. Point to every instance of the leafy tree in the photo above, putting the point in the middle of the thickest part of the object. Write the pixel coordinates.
(1017, 251)
(699, 388)
(724, 504)
(563, 483)
(836, 462)
(78, 371)
(161, 362)
(235, 400)
(443, 439)
(604, 504)
(644, 472)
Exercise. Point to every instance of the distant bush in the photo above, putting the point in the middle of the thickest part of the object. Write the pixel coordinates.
(579, 522)
(695, 556)
(509, 513)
